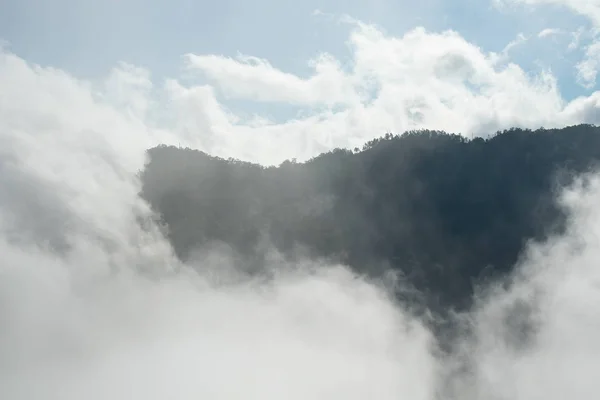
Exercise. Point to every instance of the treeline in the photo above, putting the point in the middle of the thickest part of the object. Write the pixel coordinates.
(444, 210)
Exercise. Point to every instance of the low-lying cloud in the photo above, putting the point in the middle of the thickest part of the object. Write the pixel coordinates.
(94, 305)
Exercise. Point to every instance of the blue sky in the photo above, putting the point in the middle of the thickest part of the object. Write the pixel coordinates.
(541, 48)
(87, 37)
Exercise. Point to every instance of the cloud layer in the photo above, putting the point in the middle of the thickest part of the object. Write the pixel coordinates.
(420, 80)
(423, 79)
(93, 304)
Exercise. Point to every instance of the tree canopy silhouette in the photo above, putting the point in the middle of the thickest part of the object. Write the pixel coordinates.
(444, 210)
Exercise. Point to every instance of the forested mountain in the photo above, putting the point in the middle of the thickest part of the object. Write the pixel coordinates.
(444, 210)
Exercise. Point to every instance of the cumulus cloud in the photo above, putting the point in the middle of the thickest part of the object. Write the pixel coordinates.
(419, 80)
(251, 77)
(423, 79)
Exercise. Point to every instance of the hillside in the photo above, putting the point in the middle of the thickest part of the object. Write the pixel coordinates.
(443, 210)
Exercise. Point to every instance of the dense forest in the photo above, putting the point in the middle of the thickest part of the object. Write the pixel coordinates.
(444, 211)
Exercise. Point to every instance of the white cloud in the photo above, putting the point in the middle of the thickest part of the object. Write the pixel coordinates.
(422, 79)
(549, 32)
(251, 77)
(588, 8)
(588, 68)
(419, 80)
(584, 109)
(129, 88)
(576, 38)
(79, 321)
(539, 338)
(520, 39)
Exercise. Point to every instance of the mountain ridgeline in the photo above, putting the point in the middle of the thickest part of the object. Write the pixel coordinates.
(443, 210)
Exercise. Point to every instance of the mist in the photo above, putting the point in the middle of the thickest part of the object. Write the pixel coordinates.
(95, 304)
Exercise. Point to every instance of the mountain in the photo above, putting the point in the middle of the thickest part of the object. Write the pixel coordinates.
(443, 211)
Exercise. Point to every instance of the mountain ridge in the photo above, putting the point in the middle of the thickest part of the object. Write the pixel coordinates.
(444, 210)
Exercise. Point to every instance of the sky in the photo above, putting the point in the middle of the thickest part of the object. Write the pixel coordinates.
(94, 305)
(272, 80)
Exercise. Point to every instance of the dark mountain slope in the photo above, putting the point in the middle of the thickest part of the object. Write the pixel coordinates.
(442, 209)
